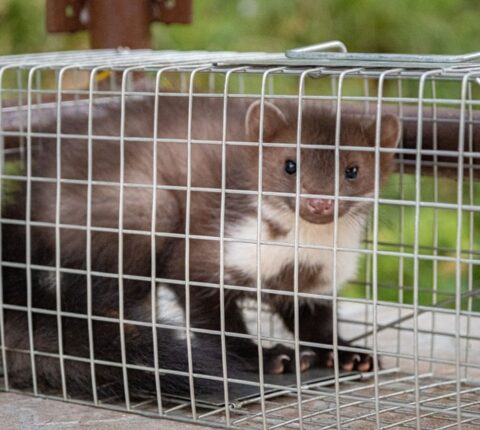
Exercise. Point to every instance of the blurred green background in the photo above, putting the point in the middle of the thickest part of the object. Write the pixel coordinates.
(430, 26)
(403, 26)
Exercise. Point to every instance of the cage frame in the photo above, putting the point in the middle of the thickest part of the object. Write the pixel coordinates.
(227, 64)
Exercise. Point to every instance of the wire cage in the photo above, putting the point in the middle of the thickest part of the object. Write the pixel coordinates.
(253, 202)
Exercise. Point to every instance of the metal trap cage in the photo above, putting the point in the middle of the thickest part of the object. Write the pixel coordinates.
(98, 148)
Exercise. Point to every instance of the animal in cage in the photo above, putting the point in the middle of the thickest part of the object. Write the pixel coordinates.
(243, 206)
(171, 209)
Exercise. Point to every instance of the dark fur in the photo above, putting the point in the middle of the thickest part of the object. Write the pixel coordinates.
(241, 173)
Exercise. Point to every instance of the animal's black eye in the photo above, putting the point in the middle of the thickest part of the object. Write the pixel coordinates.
(290, 167)
(351, 172)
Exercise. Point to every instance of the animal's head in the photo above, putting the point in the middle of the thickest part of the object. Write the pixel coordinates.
(317, 166)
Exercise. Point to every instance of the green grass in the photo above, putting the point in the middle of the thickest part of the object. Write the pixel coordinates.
(437, 235)
(10, 187)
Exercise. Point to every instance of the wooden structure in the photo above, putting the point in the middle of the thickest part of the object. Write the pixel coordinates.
(127, 24)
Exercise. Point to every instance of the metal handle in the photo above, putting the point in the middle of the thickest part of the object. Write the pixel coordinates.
(332, 44)
(320, 54)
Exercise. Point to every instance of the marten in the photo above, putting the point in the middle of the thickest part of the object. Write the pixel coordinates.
(188, 194)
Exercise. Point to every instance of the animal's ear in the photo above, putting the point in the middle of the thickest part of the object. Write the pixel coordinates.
(273, 121)
(389, 131)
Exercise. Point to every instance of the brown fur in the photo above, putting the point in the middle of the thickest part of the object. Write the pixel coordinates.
(241, 170)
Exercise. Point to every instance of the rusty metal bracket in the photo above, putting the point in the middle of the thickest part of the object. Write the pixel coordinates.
(115, 23)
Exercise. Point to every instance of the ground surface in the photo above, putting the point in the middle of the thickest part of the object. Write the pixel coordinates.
(26, 412)
(20, 412)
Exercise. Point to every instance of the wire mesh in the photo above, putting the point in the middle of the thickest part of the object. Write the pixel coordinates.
(151, 236)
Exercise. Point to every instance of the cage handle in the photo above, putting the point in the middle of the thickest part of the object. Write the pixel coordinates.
(324, 46)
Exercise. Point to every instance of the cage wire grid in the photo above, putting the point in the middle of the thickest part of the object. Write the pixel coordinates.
(421, 334)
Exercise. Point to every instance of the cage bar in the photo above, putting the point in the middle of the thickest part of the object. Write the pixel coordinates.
(413, 304)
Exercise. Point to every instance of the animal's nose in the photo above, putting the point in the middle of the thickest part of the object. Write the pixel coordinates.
(320, 206)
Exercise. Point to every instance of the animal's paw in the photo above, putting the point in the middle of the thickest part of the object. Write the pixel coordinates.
(348, 361)
(281, 359)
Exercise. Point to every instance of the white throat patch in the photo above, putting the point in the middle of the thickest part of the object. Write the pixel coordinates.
(274, 258)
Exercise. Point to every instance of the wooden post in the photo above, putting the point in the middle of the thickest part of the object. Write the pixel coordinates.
(127, 23)
(115, 23)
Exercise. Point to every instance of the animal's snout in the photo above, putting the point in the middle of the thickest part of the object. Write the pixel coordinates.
(320, 206)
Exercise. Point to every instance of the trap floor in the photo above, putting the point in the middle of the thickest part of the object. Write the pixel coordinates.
(436, 387)
(18, 412)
